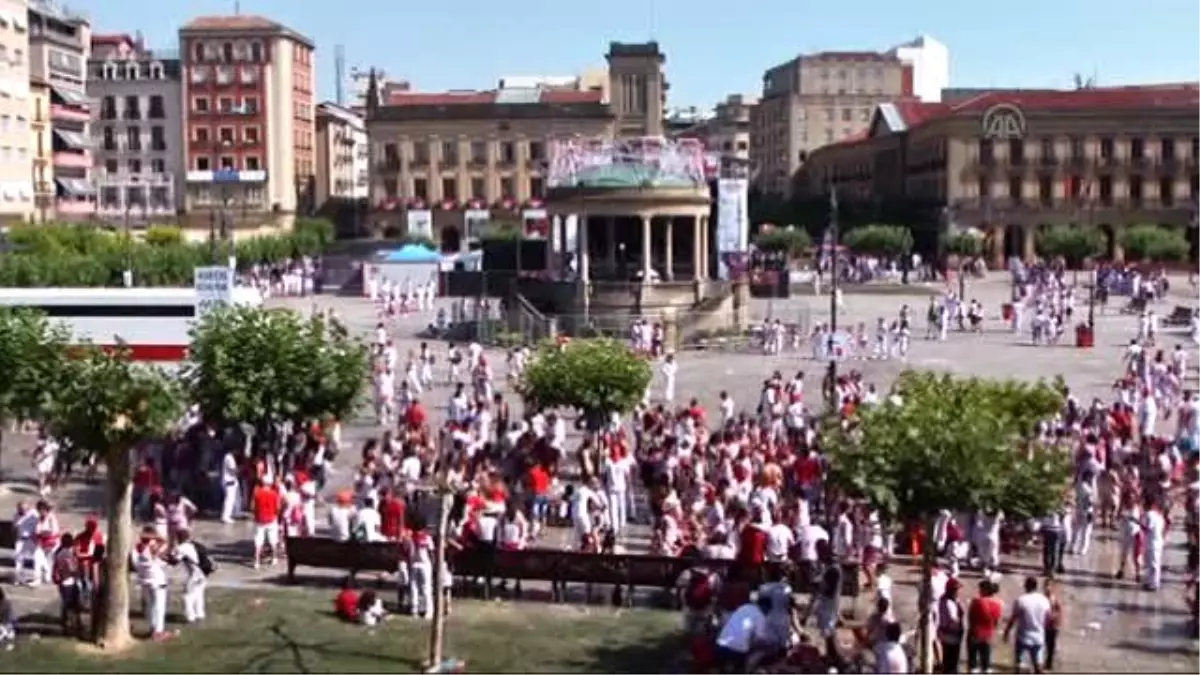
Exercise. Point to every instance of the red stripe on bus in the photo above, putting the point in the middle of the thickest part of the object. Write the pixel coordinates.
(153, 352)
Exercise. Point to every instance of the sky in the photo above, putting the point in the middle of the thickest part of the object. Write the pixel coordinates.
(713, 47)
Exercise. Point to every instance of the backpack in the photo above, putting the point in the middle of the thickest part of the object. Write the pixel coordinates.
(699, 594)
(206, 563)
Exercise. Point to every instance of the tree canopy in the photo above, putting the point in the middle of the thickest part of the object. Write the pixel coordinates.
(967, 244)
(261, 366)
(32, 350)
(86, 255)
(880, 240)
(597, 376)
(952, 443)
(1153, 243)
(1073, 245)
(791, 240)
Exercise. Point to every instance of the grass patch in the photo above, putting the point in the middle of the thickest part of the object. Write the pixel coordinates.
(296, 631)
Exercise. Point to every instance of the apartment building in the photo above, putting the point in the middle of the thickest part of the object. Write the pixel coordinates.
(1012, 163)
(59, 44)
(136, 96)
(16, 139)
(817, 99)
(343, 154)
(248, 120)
(725, 132)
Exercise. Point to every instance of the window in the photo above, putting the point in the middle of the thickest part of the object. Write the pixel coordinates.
(1106, 190)
(1137, 190)
(537, 187)
(1047, 150)
(250, 135)
(225, 104)
(537, 150)
(158, 166)
(200, 134)
(478, 152)
(227, 53)
(1106, 148)
(1078, 150)
(449, 152)
(197, 51)
(225, 136)
(477, 189)
(829, 114)
(135, 166)
(987, 151)
(250, 105)
(449, 189)
(1016, 151)
(1166, 191)
(390, 188)
(157, 111)
(847, 114)
(133, 108)
(134, 138)
(253, 164)
(1045, 190)
(158, 139)
(203, 164)
(506, 188)
(108, 108)
(1014, 188)
(1167, 149)
(110, 166)
(865, 115)
(828, 135)
(421, 189)
(508, 152)
(1137, 148)
(420, 153)
(256, 51)
(200, 104)
(228, 163)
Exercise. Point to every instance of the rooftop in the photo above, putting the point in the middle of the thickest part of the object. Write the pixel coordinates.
(519, 96)
(242, 23)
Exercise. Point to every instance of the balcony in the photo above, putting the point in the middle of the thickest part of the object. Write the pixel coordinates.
(389, 165)
(75, 207)
(77, 160)
(226, 176)
(69, 113)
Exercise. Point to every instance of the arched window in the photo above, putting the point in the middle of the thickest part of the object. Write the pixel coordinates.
(198, 50)
(256, 52)
(227, 52)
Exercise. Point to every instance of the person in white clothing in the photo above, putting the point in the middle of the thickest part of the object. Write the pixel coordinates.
(188, 554)
(617, 470)
(1154, 526)
(670, 368)
(25, 524)
(230, 494)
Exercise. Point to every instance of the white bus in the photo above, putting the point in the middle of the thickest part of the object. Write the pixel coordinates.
(152, 322)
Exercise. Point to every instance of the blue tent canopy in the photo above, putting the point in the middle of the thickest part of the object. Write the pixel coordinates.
(410, 253)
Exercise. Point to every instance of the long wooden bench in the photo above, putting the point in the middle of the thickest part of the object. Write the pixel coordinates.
(557, 567)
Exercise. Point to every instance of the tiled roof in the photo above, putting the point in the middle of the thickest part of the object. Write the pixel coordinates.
(232, 22)
(1107, 98)
(915, 112)
(570, 96)
(850, 56)
(440, 98)
(111, 39)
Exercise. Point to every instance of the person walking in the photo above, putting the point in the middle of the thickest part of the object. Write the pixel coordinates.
(983, 616)
(1055, 622)
(951, 627)
(193, 557)
(1030, 616)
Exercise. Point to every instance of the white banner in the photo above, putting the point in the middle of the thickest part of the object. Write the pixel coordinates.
(535, 223)
(476, 222)
(420, 223)
(733, 218)
(214, 288)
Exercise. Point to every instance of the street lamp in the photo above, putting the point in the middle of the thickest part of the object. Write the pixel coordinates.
(127, 275)
(833, 290)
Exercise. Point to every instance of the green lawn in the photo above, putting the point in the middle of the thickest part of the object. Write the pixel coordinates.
(295, 631)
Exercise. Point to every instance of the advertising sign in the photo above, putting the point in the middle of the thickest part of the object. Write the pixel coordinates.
(420, 223)
(214, 288)
(733, 219)
(476, 222)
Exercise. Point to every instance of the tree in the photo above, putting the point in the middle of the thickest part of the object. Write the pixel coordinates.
(967, 244)
(1146, 243)
(264, 367)
(107, 404)
(791, 240)
(1074, 246)
(31, 358)
(596, 376)
(915, 458)
(879, 240)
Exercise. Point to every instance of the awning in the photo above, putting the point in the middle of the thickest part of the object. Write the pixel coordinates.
(72, 139)
(78, 187)
(70, 96)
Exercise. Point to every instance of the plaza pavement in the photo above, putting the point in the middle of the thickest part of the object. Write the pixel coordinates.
(1111, 626)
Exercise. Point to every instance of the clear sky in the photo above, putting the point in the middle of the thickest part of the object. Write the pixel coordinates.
(713, 47)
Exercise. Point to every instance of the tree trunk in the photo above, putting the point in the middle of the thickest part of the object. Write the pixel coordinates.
(3, 423)
(925, 627)
(115, 634)
(437, 633)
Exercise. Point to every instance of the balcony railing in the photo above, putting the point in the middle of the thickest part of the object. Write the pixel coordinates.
(69, 113)
(75, 207)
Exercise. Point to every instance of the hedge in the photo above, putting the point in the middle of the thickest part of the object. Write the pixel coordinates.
(84, 255)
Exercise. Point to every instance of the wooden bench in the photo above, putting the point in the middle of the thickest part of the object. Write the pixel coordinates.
(351, 556)
(8, 535)
(1181, 316)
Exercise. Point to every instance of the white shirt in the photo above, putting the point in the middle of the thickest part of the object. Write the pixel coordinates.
(339, 522)
(779, 541)
(726, 409)
(190, 557)
(810, 536)
(369, 521)
(616, 473)
(890, 657)
(745, 627)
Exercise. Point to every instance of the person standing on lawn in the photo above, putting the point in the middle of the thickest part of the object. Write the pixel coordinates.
(196, 585)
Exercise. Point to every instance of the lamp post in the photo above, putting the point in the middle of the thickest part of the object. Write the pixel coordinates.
(127, 275)
(1092, 285)
(833, 296)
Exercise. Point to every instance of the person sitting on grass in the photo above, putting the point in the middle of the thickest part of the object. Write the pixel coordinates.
(345, 605)
(370, 609)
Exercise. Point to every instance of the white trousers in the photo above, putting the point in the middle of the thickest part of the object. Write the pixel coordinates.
(155, 602)
(25, 554)
(229, 500)
(194, 599)
(618, 504)
(42, 566)
(420, 589)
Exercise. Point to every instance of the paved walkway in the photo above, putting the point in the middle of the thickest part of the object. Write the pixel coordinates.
(1111, 626)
